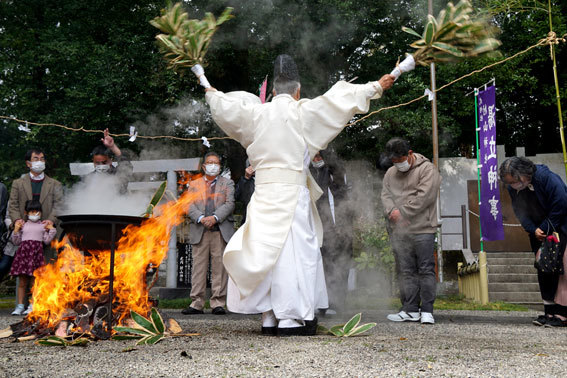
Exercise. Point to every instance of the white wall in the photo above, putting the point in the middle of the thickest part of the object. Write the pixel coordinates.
(455, 173)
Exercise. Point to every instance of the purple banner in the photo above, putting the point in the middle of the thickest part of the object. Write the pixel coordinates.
(490, 208)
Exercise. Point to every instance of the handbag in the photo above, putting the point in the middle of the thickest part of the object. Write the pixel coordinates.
(4, 241)
(551, 254)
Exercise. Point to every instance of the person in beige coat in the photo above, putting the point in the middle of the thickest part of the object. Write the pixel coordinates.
(35, 185)
(409, 193)
(212, 226)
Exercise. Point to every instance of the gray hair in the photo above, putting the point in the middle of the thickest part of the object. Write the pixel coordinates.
(211, 153)
(287, 87)
(517, 167)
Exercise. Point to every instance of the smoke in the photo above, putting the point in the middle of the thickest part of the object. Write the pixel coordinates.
(100, 193)
(189, 118)
(356, 214)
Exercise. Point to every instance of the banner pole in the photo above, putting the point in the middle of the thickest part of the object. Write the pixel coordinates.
(482, 261)
(478, 165)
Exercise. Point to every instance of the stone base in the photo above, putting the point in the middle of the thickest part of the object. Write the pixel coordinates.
(170, 293)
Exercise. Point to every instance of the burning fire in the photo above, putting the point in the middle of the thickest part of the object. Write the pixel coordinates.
(74, 279)
(186, 177)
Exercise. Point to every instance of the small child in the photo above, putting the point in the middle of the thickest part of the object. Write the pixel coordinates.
(30, 237)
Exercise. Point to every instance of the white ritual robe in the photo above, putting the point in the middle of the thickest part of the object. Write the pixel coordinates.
(276, 136)
(295, 286)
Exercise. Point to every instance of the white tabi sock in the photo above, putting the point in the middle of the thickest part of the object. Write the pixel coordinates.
(269, 319)
(289, 323)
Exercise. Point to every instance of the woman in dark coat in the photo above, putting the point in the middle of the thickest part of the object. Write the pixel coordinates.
(539, 200)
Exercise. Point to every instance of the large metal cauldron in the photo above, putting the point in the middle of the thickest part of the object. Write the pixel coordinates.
(94, 232)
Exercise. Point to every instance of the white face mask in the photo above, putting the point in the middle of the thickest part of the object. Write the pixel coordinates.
(212, 169)
(34, 218)
(102, 168)
(404, 166)
(37, 166)
(318, 164)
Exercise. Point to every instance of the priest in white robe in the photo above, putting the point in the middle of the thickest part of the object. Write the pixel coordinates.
(273, 260)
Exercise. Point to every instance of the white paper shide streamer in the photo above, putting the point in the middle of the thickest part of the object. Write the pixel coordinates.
(198, 70)
(406, 65)
(206, 142)
(133, 134)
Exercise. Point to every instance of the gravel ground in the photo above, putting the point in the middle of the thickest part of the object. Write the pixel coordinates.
(460, 344)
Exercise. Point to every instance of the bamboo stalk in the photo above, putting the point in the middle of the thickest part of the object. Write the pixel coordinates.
(557, 96)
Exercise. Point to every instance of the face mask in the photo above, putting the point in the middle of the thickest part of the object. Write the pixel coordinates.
(34, 218)
(37, 166)
(103, 168)
(212, 169)
(404, 166)
(318, 164)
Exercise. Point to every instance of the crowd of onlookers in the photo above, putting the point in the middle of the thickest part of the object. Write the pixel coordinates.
(409, 193)
(29, 212)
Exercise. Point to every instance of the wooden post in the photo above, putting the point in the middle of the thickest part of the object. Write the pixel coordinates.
(171, 281)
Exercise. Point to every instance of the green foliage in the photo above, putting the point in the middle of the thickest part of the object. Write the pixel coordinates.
(62, 342)
(148, 331)
(351, 328)
(376, 251)
(455, 34)
(158, 195)
(185, 42)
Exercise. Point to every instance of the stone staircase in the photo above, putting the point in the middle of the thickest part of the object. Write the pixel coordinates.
(513, 278)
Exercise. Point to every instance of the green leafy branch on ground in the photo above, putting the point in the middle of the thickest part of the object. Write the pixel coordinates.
(351, 328)
(63, 342)
(147, 331)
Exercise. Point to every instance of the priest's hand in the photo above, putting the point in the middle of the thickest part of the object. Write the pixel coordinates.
(386, 81)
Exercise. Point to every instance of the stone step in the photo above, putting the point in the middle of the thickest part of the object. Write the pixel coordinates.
(512, 277)
(518, 297)
(513, 287)
(511, 261)
(498, 269)
(500, 255)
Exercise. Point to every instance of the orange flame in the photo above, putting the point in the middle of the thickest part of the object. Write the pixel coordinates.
(186, 177)
(75, 278)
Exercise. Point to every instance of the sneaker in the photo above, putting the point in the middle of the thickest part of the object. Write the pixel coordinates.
(403, 316)
(541, 320)
(28, 310)
(427, 318)
(555, 322)
(19, 310)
